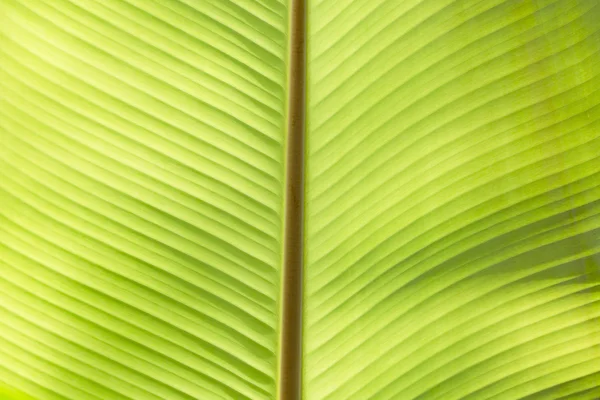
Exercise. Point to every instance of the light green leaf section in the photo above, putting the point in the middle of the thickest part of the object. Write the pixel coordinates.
(452, 204)
(453, 200)
(141, 181)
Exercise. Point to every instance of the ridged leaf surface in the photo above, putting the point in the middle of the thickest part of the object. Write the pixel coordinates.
(452, 238)
(141, 197)
(453, 200)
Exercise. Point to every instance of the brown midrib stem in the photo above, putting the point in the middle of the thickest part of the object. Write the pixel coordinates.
(290, 363)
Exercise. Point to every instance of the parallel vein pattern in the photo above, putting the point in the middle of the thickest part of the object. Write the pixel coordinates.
(453, 200)
(141, 197)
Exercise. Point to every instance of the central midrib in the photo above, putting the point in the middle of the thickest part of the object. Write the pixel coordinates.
(290, 349)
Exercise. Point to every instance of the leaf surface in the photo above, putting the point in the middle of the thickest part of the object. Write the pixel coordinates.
(141, 205)
(453, 199)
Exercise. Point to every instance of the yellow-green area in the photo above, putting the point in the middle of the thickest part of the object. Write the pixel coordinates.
(452, 207)
(7, 393)
(141, 180)
(453, 200)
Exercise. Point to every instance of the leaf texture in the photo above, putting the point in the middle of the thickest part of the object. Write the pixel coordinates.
(141, 197)
(453, 200)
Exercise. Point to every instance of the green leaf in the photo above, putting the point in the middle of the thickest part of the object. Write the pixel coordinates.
(453, 200)
(7, 393)
(141, 205)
